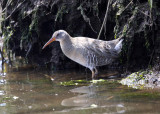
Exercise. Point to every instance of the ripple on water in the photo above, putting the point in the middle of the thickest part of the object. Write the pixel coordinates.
(2, 81)
(2, 104)
(3, 74)
(1, 92)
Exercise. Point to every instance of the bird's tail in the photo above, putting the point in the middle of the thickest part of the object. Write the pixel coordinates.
(118, 46)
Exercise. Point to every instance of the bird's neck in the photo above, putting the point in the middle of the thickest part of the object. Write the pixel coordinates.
(66, 45)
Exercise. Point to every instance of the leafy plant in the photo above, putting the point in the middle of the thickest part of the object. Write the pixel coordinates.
(150, 3)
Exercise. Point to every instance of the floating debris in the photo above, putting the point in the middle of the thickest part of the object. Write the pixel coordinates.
(94, 105)
(15, 97)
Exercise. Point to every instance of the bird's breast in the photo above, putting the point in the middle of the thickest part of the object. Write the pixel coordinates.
(74, 53)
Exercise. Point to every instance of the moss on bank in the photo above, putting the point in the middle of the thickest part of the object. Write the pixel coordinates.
(142, 80)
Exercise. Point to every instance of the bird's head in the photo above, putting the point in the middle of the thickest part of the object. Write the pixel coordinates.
(59, 35)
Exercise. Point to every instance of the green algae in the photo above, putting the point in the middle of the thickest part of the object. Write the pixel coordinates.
(85, 82)
(75, 83)
(134, 80)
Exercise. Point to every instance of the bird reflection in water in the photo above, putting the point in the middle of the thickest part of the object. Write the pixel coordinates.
(90, 98)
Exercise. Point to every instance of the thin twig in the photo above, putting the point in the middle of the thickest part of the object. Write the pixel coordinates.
(143, 13)
(14, 10)
(105, 19)
(151, 57)
(8, 3)
(127, 5)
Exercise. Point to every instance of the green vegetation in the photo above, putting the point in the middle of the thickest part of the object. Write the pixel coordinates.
(141, 79)
(85, 82)
(150, 3)
(75, 83)
(7, 34)
(61, 11)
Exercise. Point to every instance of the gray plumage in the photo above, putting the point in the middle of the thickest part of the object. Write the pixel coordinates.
(87, 51)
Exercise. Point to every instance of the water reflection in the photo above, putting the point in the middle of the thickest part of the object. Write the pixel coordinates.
(40, 92)
(89, 97)
(2, 104)
(84, 100)
(1, 92)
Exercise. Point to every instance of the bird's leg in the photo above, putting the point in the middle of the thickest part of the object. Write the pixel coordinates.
(96, 72)
(93, 74)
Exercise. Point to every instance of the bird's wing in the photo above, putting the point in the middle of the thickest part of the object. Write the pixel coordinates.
(97, 47)
(102, 48)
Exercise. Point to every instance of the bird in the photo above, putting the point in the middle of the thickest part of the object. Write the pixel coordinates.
(88, 52)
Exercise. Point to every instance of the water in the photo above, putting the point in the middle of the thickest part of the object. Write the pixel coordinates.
(39, 92)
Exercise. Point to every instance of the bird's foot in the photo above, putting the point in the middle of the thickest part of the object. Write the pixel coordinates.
(95, 76)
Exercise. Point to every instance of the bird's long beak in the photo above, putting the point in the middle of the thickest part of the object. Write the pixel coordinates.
(50, 41)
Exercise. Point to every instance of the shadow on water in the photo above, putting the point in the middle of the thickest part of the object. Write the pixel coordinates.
(40, 92)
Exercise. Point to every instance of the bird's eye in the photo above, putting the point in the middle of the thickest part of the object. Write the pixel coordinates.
(57, 34)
